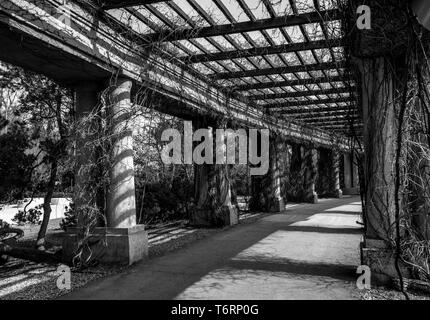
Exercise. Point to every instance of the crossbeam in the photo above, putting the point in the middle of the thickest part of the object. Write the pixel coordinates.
(316, 110)
(340, 125)
(225, 29)
(252, 52)
(300, 94)
(332, 121)
(332, 114)
(290, 83)
(308, 103)
(115, 4)
(347, 126)
(279, 70)
(33, 42)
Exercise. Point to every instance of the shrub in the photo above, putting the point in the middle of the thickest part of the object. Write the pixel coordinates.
(240, 179)
(165, 203)
(31, 216)
(15, 163)
(69, 219)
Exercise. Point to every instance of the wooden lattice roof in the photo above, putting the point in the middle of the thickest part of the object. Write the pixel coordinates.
(284, 56)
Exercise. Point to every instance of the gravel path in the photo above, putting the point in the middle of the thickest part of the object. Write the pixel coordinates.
(382, 293)
(24, 280)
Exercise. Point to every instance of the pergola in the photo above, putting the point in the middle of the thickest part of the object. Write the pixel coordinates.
(286, 57)
(301, 68)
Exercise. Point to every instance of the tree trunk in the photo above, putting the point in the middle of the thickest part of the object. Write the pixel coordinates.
(40, 244)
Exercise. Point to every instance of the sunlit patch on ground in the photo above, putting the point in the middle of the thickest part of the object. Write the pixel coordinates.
(231, 283)
(305, 247)
(21, 279)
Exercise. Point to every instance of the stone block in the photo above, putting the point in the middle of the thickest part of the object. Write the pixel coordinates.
(204, 217)
(381, 261)
(351, 191)
(277, 205)
(109, 245)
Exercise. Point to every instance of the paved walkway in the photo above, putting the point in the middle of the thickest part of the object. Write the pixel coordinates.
(308, 252)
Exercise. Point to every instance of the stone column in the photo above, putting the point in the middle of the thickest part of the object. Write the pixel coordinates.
(122, 241)
(335, 179)
(285, 170)
(121, 199)
(324, 186)
(419, 164)
(310, 169)
(266, 190)
(86, 110)
(379, 120)
(295, 177)
(380, 59)
(347, 169)
(276, 201)
(214, 207)
(328, 180)
(355, 177)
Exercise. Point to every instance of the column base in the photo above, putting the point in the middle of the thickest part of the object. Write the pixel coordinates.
(203, 217)
(312, 199)
(351, 191)
(338, 193)
(277, 205)
(109, 245)
(381, 260)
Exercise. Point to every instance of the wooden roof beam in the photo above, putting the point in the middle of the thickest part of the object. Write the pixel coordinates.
(331, 121)
(225, 29)
(308, 103)
(116, 4)
(259, 51)
(290, 83)
(279, 70)
(300, 94)
(324, 114)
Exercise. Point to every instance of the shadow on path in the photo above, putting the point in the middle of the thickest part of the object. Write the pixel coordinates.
(310, 251)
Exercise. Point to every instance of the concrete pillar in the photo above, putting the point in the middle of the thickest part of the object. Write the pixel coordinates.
(285, 170)
(379, 118)
(419, 196)
(266, 190)
(355, 178)
(124, 241)
(121, 199)
(350, 174)
(295, 178)
(212, 188)
(328, 180)
(310, 170)
(86, 109)
(347, 167)
(324, 182)
(335, 174)
(276, 201)
(382, 71)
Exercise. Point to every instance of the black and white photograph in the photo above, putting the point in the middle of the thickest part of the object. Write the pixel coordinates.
(222, 156)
